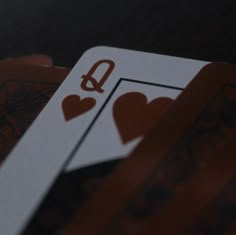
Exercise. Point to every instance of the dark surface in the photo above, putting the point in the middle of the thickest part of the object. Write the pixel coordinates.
(64, 29)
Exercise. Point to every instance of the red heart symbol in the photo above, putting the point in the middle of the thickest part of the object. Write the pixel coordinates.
(73, 106)
(134, 116)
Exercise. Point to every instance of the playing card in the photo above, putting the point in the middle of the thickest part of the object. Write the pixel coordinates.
(24, 90)
(218, 216)
(83, 123)
(191, 200)
(180, 166)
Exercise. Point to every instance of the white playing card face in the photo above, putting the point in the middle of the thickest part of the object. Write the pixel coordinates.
(81, 124)
(107, 138)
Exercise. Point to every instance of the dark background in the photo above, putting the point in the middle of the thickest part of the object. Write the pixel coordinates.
(64, 29)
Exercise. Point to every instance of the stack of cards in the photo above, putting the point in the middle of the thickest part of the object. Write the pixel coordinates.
(26, 84)
(131, 143)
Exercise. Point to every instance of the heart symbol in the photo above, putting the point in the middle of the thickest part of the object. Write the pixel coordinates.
(134, 116)
(73, 106)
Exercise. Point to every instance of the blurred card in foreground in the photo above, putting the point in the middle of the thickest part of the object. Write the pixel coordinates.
(160, 187)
